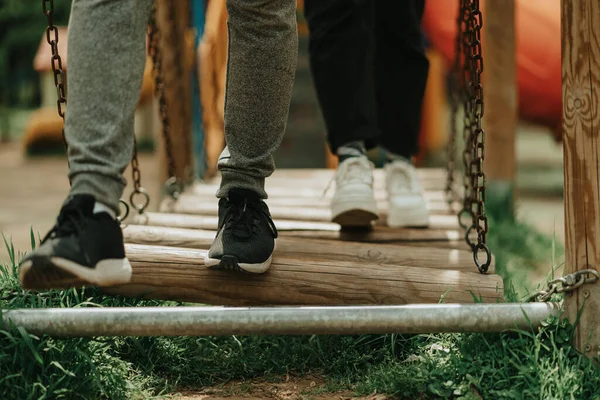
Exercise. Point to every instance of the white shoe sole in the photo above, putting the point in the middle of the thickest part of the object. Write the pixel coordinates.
(408, 218)
(48, 274)
(354, 211)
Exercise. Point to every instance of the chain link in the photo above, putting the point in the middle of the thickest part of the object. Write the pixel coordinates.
(57, 68)
(480, 221)
(457, 94)
(465, 216)
(138, 190)
(173, 186)
(565, 284)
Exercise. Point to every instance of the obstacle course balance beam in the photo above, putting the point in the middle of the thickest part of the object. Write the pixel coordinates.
(452, 238)
(178, 274)
(289, 246)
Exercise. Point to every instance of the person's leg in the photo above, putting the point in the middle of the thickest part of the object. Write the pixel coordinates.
(401, 69)
(341, 48)
(261, 67)
(106, 63)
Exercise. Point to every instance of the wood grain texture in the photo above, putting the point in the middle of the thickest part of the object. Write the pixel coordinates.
(301, 190)
(190, 200)
(313, 249)
(430, 178)
(178, 274)
(171, 21)
(316, 229)
(581, 121)
(294, 208)
(500, 86)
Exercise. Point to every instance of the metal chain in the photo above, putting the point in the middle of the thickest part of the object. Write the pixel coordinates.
(59, 80)
(564, 284)
(137, 183)
(477, 147)
(173, 186)
(57, 67)
(457, 93)
(466, 32)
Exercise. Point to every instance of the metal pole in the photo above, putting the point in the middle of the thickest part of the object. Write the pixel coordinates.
(213, 321)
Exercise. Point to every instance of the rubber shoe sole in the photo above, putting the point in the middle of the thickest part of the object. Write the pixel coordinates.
(231, 263)
(60, 273)
(355, 211)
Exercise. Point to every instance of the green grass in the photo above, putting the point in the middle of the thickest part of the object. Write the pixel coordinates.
(512, 365)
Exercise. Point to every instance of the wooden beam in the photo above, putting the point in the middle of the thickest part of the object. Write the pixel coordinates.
(451, 238)
(501, 106)
(440, 220)
(173, 22)
(178, 274)
(581, 124)
(208, 204)
(301, 189)
(430, 178)
(294, 247)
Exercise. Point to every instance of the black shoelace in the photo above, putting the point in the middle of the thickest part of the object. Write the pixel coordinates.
(71, 220)
(242, 218)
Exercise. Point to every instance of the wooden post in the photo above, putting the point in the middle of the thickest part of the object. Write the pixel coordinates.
(173, 24)
(581, 119)
(197, 20)
(500, 98)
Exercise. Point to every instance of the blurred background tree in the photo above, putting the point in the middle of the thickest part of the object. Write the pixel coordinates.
(22, 26)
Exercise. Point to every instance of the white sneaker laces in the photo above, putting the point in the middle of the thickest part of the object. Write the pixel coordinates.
(355, 169)
(402, 179)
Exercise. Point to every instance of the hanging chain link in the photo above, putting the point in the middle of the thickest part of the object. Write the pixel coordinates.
(477, 146)
(457, 95)
(136, 174)
(173, 186)
(469, 89)
(465, 37)
(57, 67)
(564, 284)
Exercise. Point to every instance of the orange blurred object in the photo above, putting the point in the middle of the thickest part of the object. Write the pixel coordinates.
(538, 47)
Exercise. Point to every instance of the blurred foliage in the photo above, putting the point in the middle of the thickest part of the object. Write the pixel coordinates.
(22, 27)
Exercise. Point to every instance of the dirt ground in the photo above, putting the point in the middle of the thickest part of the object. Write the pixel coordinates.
(288, 388)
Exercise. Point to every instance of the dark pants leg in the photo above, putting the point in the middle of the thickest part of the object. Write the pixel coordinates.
(342, 50)
(401, 69)
(369, 70)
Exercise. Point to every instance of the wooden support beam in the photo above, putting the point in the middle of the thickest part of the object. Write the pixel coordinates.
(207, 205)
(178, 274)
(581, 124)
(307, 248)
(439, 220)
(430, 178)
(173, 22)
(501, 105)
(295, 189)
(451, 238)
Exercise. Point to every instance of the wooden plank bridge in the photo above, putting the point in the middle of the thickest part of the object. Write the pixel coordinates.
(315, 263)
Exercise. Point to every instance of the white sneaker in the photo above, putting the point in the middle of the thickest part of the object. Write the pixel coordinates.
(353, 203)
(407, 205)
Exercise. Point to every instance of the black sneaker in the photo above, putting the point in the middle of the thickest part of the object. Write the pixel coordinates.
(246, 234)
(82, 249)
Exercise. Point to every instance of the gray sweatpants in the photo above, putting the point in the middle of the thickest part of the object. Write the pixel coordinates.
(105, 68)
